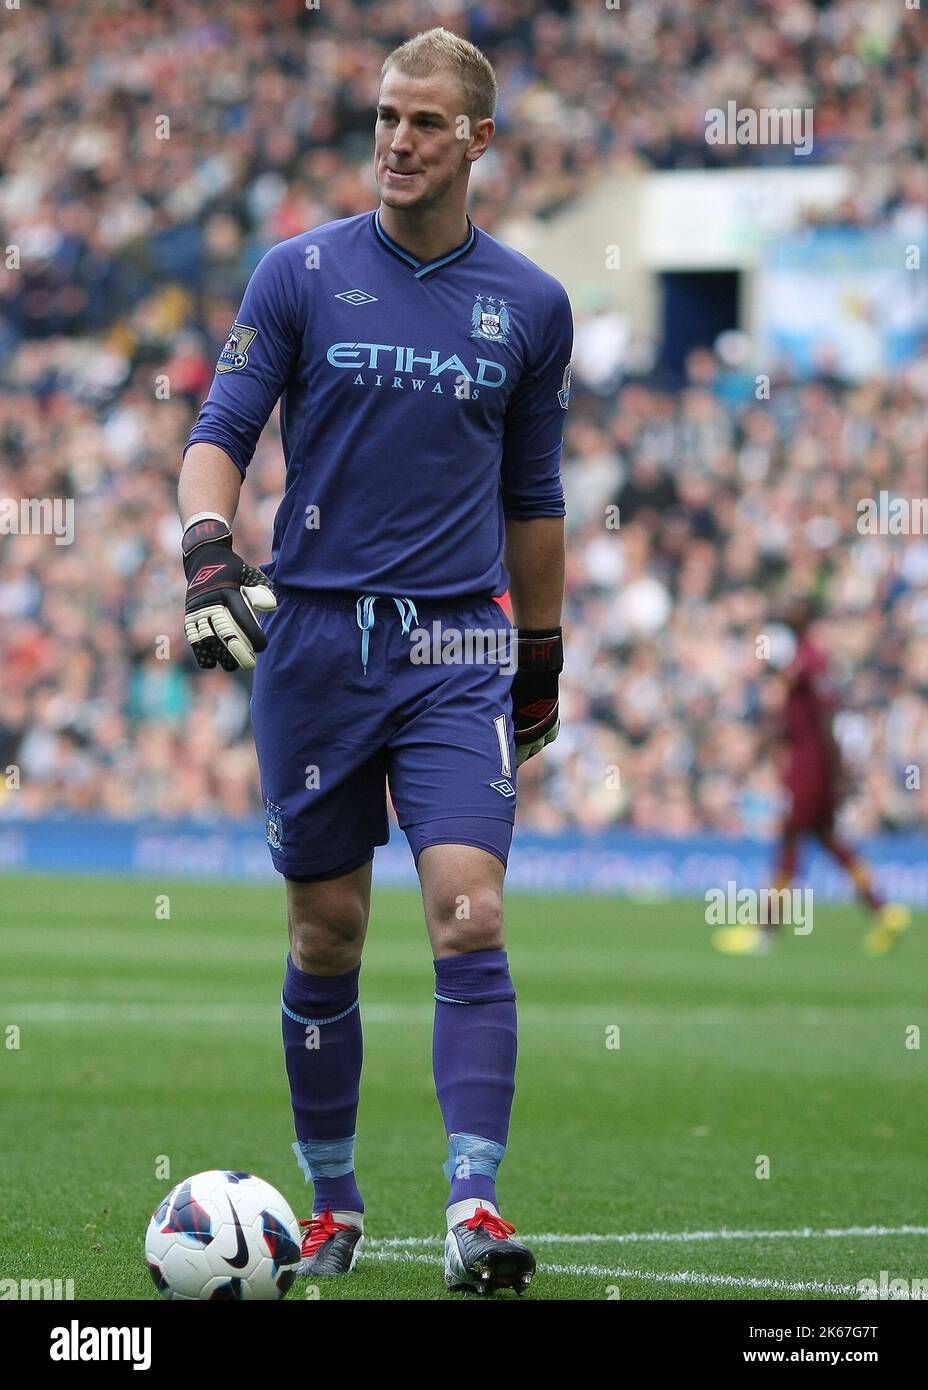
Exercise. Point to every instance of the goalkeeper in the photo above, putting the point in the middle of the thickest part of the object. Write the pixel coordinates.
(422, 369)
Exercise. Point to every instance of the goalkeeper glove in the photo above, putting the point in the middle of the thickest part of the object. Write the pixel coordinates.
(534, 691)
(222, 595)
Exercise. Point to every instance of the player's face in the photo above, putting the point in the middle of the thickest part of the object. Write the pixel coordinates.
(420, 149)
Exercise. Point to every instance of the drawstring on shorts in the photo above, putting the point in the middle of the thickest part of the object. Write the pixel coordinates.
(365, 606)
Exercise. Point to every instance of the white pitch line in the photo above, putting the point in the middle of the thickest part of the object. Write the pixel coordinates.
(685, 1276)
(693, 1276)
(123, 1012)
(224, 1014)
(673, 1237)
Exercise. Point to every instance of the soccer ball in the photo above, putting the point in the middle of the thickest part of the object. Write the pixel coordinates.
(223, 1235)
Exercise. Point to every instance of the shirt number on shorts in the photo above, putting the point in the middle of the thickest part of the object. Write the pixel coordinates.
(505, 762)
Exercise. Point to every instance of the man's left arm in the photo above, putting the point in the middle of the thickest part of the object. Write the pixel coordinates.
(533, 505)
(535, 560)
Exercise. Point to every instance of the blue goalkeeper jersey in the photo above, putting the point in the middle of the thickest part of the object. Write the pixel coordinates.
(420, 405)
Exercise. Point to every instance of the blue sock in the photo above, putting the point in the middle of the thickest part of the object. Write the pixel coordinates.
(323, 1049)
(474, 1060)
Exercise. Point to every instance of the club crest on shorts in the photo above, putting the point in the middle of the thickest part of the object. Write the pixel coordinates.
(489, 322)
(275, 827)
(234, 355)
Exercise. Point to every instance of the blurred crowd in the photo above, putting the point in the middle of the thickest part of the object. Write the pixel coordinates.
(689, 510)
(169, 142)
(724, 505)
(689, 514)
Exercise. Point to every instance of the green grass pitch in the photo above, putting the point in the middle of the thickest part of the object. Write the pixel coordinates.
(632, 1169)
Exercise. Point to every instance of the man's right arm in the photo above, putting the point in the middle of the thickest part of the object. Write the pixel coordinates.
(225, 593)
(209, 482)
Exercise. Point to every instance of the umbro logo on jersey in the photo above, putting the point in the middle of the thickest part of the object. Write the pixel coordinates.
(357, 297)
(504, 787)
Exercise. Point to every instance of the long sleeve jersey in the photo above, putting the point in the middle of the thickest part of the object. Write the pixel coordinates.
(421, 404)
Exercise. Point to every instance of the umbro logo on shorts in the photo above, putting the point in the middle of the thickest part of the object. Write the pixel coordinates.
(504, 787)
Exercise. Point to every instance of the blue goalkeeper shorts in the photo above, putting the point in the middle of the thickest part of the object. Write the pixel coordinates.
(358, 691)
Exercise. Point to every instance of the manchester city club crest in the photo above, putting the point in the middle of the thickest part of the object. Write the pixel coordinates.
(275, 828)
(490, 319)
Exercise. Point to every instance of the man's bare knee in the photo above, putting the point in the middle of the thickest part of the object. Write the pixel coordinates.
(327, 922)
(462, 922)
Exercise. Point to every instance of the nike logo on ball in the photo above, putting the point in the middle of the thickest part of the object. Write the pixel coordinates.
(240, 1259)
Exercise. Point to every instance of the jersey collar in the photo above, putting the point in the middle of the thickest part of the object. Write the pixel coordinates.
(422, 269)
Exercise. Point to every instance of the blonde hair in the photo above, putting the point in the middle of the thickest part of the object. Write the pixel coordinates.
(439, 50)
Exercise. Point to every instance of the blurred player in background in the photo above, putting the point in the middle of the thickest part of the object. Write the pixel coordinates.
(815, 782)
